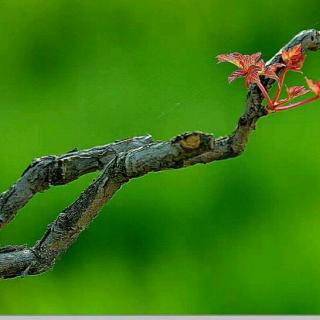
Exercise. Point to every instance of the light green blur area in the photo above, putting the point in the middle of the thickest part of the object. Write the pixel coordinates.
(238, 236)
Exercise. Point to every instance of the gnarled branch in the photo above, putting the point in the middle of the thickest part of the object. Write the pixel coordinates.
(119, 162)
(59, 170)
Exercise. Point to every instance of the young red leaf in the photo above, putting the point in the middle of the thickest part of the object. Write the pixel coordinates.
(247, 64)
(236, 74)
(270, 71)
(249, 67)
(315, 87)
(293, 58)
(240, 60)
(296, 91)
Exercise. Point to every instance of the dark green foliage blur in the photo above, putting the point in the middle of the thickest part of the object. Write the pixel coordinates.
(236, 236)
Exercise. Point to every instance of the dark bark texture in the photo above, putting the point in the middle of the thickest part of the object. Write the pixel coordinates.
(119, 162)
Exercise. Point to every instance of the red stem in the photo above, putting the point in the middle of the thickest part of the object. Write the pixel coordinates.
(278, 104)
(297, 104)
(265, 94)
(280, 85)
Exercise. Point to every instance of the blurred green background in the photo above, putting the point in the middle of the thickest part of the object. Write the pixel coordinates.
(236, 236)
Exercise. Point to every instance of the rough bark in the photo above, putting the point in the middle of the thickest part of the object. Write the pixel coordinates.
(59, 170)
(119, 162)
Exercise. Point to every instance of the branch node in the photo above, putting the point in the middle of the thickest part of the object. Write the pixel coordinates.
(191, 141)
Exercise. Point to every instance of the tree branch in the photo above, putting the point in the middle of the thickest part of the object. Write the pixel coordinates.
(58, 170)
(119, 162)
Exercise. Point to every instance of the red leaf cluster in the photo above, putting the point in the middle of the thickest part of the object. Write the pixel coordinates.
(252, 67)
(315, 87)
